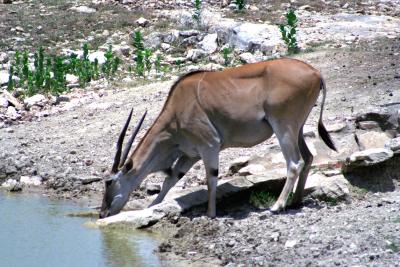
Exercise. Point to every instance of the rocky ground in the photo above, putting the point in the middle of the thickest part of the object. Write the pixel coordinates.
(64, 146)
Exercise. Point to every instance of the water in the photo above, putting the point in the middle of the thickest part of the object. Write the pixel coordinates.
(35, 231)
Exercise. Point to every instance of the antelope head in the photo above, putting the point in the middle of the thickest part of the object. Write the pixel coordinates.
(122, 180)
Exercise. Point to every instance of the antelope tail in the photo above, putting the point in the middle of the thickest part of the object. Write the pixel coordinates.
(323, 133)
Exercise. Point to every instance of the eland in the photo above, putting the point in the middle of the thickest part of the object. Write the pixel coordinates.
(208, 111)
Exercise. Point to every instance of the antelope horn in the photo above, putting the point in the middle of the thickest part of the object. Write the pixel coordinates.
(117, 157)
(130, 141)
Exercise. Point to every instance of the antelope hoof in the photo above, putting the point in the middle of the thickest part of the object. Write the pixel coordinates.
(211, 214)
(276, 208)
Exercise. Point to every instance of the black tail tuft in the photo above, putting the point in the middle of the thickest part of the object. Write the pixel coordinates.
(323, 133)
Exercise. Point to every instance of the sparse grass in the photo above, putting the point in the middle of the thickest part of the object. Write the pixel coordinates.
(358, 192)
(58, 24)
(261, 199)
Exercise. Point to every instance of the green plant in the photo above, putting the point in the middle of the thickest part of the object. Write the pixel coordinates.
(197, 11)
(48, 74)
(178, 63)
(240, 4)
(147, 56)
(226, 52)
(157, 63)
(289, 31)
(138, 41)
(261, 199)
(10, 84)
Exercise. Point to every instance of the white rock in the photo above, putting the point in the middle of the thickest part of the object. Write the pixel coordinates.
(99, 55)
(3, 58)
(332, 187)
(12, 113)
(83, 9)
(394, 145)
(4, 102)
(290, 243)
(34, 180)
(195, 54)
(252, 169)
(247, 57)
(373, 139)
(36, 100)
(165, 46)
(370, 157)
(4, 77)
(71, 78)
(12, 185)
(142, 22)
(209, 43)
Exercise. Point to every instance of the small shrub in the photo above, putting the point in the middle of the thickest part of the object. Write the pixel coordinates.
(197, 11)
(48, 74)
(261, 199)
(240, 5)
(289, 31)
(226, 52)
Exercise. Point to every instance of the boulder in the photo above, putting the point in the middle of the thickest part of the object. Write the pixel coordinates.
(36, 100)
(372, 139)
(209, 43)
(330, 188)
(369, 157)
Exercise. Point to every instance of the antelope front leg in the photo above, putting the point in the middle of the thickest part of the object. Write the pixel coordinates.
(211, 162)
(181, 167)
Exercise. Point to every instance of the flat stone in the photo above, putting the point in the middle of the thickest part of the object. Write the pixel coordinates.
(336, 127)
(14, 101)
(88, 179)
(370, 157)
(368, 125)
(36, 100)
(334, 187)
(372, 139)
(252, 169)
(34, 180)
(394, 145)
